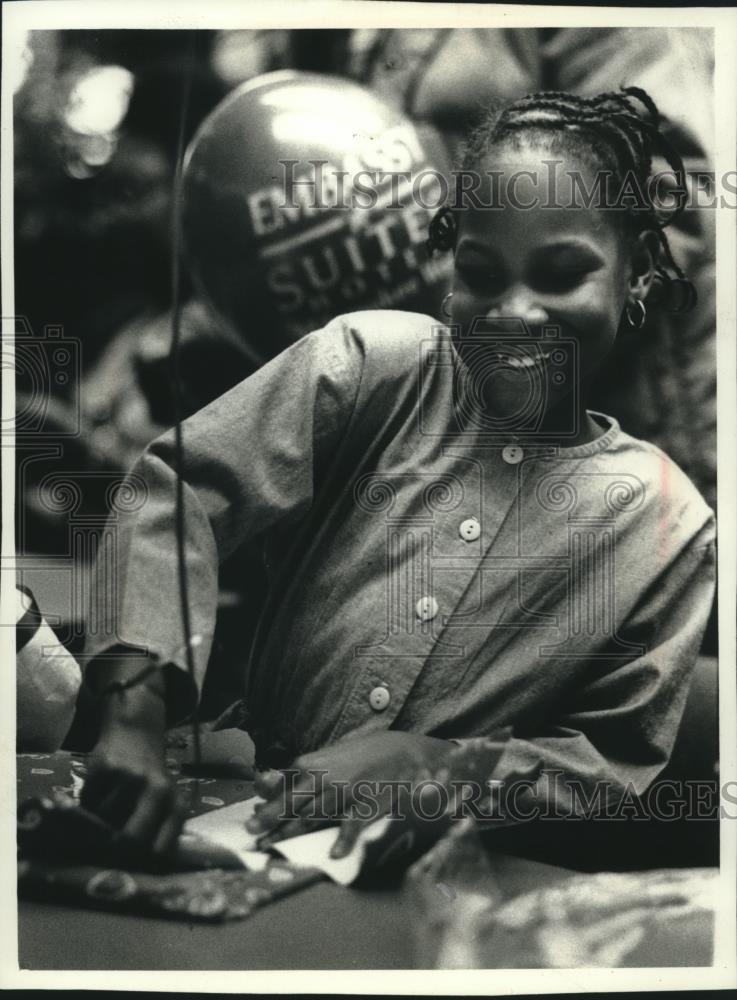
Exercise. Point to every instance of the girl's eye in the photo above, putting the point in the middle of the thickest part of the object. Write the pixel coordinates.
(482, 278)
(562, 279)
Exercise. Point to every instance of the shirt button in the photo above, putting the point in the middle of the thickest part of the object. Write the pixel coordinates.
(512, 454)
(379, 698)
(427, 608)
(469, 530)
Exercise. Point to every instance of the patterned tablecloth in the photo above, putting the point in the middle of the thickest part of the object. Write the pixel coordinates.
(42, 774)
(215, 894)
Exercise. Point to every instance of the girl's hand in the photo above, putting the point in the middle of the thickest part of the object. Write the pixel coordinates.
(354, 781)
(128, 785)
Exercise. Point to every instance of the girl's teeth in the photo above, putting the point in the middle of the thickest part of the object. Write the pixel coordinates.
(526, 362)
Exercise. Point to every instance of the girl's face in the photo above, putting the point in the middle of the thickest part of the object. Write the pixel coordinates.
(549, 266)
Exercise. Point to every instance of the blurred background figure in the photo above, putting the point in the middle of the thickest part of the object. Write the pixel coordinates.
(95, 136)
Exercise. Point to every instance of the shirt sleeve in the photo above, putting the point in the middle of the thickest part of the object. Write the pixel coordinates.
(249, 461)
(619, 727)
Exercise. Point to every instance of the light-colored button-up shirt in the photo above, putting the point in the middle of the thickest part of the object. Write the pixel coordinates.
(575, 616)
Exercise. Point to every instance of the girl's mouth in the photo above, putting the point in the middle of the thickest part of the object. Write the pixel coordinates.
(525, 361)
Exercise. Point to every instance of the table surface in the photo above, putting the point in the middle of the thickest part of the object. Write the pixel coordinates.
(324, 926)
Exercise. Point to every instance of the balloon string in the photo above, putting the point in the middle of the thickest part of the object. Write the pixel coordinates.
(176, 240)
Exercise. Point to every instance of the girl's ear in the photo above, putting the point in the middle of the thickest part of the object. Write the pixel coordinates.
(642, 264)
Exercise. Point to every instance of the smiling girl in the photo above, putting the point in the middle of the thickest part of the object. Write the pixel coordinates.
(454, 542)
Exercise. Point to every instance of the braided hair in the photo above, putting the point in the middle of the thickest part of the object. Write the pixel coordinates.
(621, 132)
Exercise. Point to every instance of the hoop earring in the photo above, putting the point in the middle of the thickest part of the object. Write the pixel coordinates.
(444, 305)
(638, 321)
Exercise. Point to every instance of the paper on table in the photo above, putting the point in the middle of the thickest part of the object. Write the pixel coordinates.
(312, 850)
(227, 827)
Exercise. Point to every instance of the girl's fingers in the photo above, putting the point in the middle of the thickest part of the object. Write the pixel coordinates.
(311, 814)
(112, 795)
(268, 783)
(155, 806)
(99, 786)
(294, 800)
(348, 834)
(294, 828)
(352, 824)
(169, 833)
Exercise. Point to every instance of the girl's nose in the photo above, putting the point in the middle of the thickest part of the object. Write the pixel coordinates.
(519, 305)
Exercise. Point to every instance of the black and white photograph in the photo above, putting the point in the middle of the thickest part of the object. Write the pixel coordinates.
(368, 566)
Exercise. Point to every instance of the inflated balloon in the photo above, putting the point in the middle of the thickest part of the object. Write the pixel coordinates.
(304, 196)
